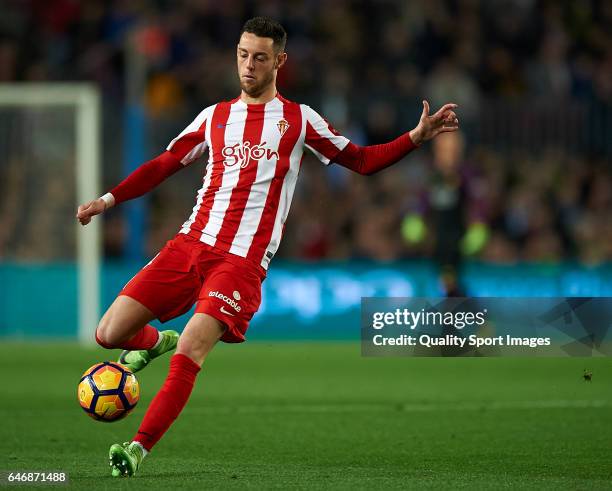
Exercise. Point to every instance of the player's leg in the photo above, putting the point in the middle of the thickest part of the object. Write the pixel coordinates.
(165, 288)
(125, 325)
(227, 301)
(200, 335)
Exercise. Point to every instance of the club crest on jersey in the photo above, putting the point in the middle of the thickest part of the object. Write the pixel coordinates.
(283, 126)
(242, 153)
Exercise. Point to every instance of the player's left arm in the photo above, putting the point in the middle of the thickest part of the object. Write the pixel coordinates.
(370, 159)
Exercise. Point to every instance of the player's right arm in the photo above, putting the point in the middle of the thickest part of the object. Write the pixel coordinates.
(139, 182)
(188, 146)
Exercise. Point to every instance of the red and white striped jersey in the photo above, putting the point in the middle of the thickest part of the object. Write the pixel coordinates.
(255, 152)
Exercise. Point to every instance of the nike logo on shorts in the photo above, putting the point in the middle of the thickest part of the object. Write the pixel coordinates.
(222, 309)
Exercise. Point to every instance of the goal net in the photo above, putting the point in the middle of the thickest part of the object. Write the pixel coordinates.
(49, 163)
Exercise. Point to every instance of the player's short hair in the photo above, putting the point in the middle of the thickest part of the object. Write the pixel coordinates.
(265, 27)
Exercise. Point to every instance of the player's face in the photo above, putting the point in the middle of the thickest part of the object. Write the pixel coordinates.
(257, 63)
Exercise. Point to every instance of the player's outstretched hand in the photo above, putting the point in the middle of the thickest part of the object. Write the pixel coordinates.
(89, 210)
(442, 121)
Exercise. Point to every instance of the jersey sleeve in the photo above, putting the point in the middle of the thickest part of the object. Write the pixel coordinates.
(190, 144)
(322, 139)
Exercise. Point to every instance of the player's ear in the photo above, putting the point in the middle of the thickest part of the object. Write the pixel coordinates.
(281, 58)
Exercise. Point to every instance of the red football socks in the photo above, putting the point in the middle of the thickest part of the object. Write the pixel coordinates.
(169, 401)
(143, 339)
(146, 338)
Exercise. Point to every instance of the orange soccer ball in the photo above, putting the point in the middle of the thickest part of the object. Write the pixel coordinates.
(108, 391)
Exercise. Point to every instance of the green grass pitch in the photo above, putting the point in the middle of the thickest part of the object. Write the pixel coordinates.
(319, 416)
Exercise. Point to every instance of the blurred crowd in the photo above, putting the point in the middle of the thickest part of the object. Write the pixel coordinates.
(448, 204)
(529, 178)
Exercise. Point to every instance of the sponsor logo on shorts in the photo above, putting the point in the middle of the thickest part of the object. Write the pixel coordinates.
(222, 309)
(230, 301)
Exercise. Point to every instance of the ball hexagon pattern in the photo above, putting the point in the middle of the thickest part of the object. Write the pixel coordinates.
(108, 391)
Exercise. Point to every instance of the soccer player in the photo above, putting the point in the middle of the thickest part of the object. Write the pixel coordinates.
(220, 255)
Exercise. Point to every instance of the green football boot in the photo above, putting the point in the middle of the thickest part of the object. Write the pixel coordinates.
(125, 459)
(137, 360)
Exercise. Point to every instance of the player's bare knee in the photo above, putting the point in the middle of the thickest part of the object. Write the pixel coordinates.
(121, 321)
(109, 333)
(199, 337)
(194, 349)
(104, 336)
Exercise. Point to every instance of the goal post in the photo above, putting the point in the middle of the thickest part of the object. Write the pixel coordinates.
(85, 99)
